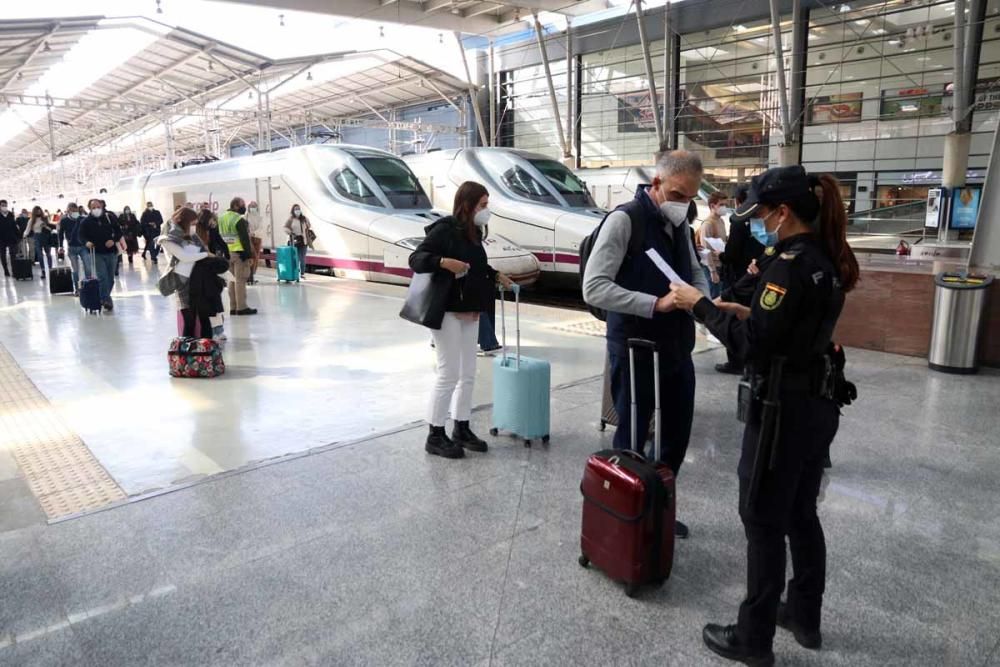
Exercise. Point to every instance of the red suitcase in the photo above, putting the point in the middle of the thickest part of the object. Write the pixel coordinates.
(629, 505)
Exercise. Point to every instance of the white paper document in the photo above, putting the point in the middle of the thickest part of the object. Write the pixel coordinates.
(665, 268)
(718, 245)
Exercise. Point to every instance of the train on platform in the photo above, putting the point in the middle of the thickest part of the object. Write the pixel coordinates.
(367, 208)
(536, 201)
(611, 186)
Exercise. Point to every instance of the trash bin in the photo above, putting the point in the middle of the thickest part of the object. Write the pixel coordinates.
(959, 304)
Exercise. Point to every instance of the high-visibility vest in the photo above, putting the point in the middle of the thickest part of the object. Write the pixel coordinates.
(228, 231)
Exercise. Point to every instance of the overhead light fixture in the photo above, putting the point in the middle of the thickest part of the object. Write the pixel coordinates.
(880, 31)
(211, 66)
(159, 9)
(440, 38)
(845, 8)
(740, 28)
(381, 31)
(309, 76)
(46, 47)
(281, 20)
(250, 95)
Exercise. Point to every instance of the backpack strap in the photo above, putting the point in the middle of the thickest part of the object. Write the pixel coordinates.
(638, 235)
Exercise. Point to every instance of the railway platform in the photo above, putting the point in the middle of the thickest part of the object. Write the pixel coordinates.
(286, 513)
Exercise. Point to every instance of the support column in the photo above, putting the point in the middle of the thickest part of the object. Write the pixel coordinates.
(168, 128)
(540, 38)
(792, 150)
(570, 161)
(52, 134)
(668, 113)
(492, 96)
(473, 97)
(785, 156)
(651, 82)
(967, 47)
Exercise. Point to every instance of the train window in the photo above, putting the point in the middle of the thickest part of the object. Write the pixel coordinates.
(522, 183)
(397, 182)
(565, 182)
(347, 183)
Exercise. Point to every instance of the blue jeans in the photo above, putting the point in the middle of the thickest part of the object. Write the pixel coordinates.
(487, 329)
(105, 263)
(41, 252)
(302, 258)
(78, 255)
(715, 289)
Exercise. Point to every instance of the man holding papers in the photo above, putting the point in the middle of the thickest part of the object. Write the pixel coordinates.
(641, 247)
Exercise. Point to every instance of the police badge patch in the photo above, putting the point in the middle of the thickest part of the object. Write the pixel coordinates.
(772, 296)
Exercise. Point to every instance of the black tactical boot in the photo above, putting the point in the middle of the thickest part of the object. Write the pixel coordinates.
(810, 639)
(439, 444)
(722, 639)
(464, 437)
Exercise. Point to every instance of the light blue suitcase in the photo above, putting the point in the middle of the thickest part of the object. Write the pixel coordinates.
(521, 388)
(288, 264)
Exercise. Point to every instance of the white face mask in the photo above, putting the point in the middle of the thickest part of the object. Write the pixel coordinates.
(296, 212)
(96, 212)
(482, 217)
(74, 215)
(674, 211)
(3, 209)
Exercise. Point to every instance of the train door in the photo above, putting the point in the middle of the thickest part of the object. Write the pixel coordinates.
(263, 226)
(180, 198)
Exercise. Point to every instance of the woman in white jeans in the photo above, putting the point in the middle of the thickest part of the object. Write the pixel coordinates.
(455, 244)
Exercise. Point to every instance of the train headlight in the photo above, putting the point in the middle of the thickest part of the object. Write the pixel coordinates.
(410, 244)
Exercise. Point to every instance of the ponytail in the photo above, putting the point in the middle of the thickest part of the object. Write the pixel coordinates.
(833, 229)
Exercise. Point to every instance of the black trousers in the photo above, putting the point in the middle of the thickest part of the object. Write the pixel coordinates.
(786, 506)
(5, 249)
(676, 400)
(190, 317)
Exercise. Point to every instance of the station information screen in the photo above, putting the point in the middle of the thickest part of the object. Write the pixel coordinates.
(965, 206)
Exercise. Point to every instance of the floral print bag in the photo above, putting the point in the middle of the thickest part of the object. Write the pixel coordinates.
(195, 358)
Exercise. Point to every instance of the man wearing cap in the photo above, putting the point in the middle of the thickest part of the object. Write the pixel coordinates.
(623, 280)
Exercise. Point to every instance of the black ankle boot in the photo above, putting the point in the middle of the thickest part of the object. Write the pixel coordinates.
(723, 640)
(464, 437)
(810, 639)
(439, 444)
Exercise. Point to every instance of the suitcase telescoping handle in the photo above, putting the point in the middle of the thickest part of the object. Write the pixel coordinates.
(641, 343)
(516, 289)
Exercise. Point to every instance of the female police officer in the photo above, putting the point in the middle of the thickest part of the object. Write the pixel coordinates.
(788, 401)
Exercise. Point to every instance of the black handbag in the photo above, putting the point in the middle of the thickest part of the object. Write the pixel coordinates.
(427, 298)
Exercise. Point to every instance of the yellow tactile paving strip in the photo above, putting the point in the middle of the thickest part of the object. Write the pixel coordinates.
(60, 470)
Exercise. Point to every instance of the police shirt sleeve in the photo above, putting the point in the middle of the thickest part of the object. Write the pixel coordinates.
(772, 313)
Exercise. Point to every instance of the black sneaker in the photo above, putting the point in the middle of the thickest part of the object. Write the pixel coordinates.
(439, 444)
(723, 640)
(463, 436)
(247, 311)
(810, 639)
(728, 368)
(681, 531)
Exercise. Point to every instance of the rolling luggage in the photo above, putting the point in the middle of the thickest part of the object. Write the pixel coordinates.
(521, 388)
(288, 264)
(22, 264)
(90, 291)
(629, 505)
(195, 358)
(609, 416)
(60, 280)
(180, 326)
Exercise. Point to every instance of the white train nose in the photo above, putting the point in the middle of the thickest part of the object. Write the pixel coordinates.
(511, 259)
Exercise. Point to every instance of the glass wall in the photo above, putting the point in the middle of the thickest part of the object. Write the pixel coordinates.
(525, 118)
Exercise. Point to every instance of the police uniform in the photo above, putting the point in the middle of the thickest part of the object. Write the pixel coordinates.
(794, 309)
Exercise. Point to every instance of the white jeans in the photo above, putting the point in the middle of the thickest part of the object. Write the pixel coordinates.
(455, 343)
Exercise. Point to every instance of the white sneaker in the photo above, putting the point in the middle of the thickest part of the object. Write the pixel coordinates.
(220, 338)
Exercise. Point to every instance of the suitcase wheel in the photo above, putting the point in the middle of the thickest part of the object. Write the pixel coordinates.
(583, 561)
(602, 426)
(631, 589)
(527, 443)
(545, 439)
(494, 432)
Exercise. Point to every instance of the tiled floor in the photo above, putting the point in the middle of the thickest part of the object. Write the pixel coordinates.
(375, 554)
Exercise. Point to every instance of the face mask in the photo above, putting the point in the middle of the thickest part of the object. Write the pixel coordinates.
(3, 209)
(74, 215)
(759, 231)
(96, 212)
(149, 208)
(674, 211)
(481, 217)
(296, 213)
(242, 210)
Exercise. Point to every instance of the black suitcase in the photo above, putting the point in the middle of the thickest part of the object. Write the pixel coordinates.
(60, 280)
(23, 265)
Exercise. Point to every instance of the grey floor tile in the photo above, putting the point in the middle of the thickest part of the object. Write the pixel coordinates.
(54, 649)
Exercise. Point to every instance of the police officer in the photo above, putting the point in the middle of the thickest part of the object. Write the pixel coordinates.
(784, 336)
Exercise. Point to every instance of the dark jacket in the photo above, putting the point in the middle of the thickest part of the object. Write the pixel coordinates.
(130, 225)
(741, 248)
(22, 225)
(674, 331)
(205, 285)
(9, 232)
(216, 245)
(151, 221)
(70, 229)
(99, 231)
(446, 238)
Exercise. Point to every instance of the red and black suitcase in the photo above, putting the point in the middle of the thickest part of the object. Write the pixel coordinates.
(630, 504)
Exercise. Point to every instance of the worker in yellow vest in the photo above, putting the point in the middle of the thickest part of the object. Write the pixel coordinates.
(235, 231)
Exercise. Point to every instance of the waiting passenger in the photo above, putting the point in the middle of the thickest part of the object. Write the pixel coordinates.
(455, 244)
(151, 222)
(637, 298)
(297, 228)
(185, 248)
(235, 231)
(39, 231)
(101, 235)
(712, 227)
(208, 232)
(130, 232)
(78, 253)
(9, 237)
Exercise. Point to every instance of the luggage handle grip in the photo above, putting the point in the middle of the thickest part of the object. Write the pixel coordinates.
(643, 344)
(629, 453)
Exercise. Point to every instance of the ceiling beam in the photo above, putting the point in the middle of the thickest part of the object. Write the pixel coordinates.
(42, 43)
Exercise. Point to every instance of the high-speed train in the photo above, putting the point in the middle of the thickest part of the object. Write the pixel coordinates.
(366, 207)
(536, 202)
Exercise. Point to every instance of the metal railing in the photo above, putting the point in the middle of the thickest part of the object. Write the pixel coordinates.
(899, 220)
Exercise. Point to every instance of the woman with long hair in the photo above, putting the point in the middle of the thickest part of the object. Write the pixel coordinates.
(785, 338)
(39, 230)
(297, 227)
(184, 248)
(130, 232)
(454, 244)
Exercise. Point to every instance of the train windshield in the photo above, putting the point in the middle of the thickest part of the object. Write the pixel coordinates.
(397, 182)
(350, 185)
(565, 182)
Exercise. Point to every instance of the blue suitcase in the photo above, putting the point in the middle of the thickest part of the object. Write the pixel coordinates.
(288, 264)
(521, 388)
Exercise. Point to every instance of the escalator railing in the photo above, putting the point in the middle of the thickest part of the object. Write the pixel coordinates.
(899, 220)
